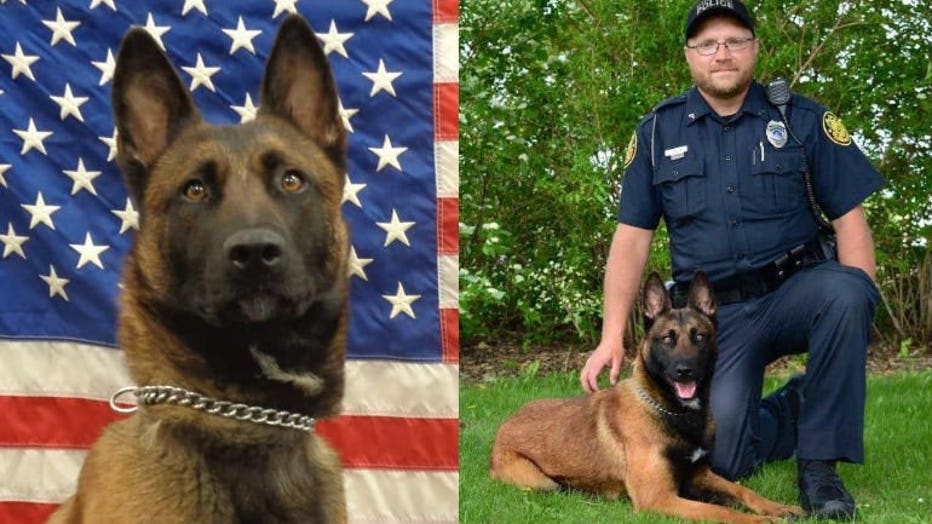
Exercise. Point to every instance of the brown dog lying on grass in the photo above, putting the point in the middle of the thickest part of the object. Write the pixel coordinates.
(649, 437)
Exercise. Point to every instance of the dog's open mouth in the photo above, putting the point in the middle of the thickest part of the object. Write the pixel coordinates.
(685, 390)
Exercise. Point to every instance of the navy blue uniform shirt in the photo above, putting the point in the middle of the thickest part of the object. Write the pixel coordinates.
(733, 201)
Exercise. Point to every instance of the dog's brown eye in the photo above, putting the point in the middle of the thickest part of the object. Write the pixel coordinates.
(699, 337)
(195, 191)
(293, 181)
(667, 339)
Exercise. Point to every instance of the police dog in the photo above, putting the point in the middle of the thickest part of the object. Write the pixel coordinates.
(236, 290)
(649, 436)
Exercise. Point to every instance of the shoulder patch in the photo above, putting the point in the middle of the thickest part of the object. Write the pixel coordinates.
(834, 129)
(632, 149)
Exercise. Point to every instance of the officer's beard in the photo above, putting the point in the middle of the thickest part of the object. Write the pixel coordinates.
(723, 90)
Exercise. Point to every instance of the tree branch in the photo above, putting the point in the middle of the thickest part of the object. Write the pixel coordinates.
(815, 52)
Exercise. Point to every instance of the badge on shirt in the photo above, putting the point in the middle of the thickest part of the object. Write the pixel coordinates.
(676, 153)
(776, 133)
(631, 150)
(835, 130)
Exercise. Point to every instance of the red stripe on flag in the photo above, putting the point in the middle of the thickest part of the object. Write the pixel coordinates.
(53, 422)
(446, 10)
(394, 443)
(446, 110)
(448, 217)
(450, 335)
(22, 512)
(389, 442)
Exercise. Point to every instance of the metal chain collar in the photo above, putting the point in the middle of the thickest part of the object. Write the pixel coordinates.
(656, 405)
(149, 395)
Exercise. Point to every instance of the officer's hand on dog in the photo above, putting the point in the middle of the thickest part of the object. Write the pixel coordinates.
(608, 353)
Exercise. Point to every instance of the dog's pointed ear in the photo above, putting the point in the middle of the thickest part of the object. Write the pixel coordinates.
(656, 298)
(701, 295)
(299, 86)
(150, 105)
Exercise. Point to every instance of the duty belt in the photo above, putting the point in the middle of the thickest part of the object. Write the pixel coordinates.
(758, 282)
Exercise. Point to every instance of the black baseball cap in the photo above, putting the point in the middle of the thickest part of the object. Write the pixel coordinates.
(703, 9)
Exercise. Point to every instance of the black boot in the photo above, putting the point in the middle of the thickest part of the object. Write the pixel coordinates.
(821, 492)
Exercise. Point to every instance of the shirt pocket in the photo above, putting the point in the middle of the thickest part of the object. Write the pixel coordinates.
(777, 184)
(682, 186)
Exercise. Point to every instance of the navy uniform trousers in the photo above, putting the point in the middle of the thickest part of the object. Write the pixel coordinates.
(825, 310)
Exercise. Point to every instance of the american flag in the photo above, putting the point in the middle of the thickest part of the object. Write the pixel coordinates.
(66, 223)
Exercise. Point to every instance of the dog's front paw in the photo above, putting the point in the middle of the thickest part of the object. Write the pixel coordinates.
(759, 519)
(783, 510)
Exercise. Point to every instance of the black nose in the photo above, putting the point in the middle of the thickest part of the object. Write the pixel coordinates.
(254, 249)
(684, 372)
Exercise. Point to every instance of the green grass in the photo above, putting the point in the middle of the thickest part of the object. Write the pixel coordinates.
(894, 486)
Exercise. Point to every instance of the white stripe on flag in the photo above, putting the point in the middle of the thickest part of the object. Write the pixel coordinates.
(37, 368)
(448, 269)
(400, 389)
(50, 476)
(446, 53)
(446, 158)
(39, 475)
(69, 369)
(401, 496)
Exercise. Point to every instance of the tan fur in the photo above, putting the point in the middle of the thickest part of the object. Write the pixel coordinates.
(169, 464)
(613, 443)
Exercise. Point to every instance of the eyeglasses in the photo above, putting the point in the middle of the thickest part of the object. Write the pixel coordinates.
(710, 47)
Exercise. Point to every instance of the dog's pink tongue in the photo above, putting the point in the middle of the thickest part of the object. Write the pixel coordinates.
(685, 389)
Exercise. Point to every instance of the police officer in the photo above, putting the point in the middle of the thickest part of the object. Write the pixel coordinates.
(723, 169)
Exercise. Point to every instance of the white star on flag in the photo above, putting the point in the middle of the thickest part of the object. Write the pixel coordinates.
(333, 40)
(106, 67)
(382, 79)
(346, 114)
(351, 192)
(200, 74)
(89, 252)
(388, 155)
(61, 29)
(70, 104)
(395, 230)
(56, 283)
(3, 169)
(21, 63)
(32, 138)
(129, 217)
(40, 213)
(357, 265)
(242, 37)
(379, 7)
(189, 4)
(110, 4)
(83, 179)
(401, 302)
(284, 5)
(247, 111)
(111, 142)
(156, 30)
(12, 243)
